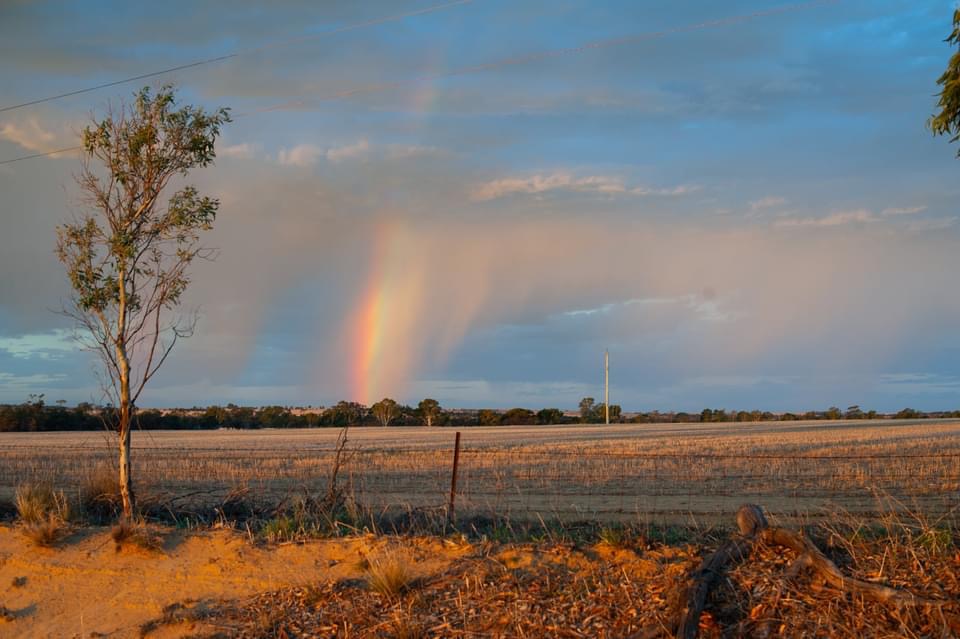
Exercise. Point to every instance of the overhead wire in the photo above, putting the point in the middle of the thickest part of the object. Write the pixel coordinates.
(236, 54)
(505, 62)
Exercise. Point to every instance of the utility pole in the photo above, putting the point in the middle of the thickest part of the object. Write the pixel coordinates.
(606, 386)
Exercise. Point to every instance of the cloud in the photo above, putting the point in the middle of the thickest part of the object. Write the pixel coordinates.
(349, 152)
(243, 151)
(919, 383)
(28, 134)
(410, 151)
(706, 309)
(52, 345)
(858, 216)
(31, 134)
(913, 210)
(936, 224)
(302, 155)
(10, 382)
(767, 202)
(565, 181)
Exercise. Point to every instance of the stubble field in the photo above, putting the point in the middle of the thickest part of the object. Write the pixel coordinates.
(688, 474)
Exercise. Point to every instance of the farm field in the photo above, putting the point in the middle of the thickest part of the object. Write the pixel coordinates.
(686, 474)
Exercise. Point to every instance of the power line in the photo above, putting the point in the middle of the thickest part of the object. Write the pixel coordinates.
(235, 54)
(116, 82)
(511, 61)
(40, 155)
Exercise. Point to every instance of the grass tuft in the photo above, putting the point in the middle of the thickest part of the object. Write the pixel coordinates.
(100, 493)
(615, 537)
(137, 534)
(44, 512)
(36, 501)
(389, 575)
(47, 533)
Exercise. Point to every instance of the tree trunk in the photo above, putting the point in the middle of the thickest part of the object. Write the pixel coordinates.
(126, 408)
(126, 419)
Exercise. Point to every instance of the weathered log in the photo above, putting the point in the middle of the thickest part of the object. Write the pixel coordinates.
(753, 528)
(693, 597)
(809, 556)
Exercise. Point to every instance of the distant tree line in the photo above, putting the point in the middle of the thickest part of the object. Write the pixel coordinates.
(36, 415)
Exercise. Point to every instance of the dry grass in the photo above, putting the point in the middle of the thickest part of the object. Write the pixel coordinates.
(137, 534)
(99, 492)
(700, 472)
(44, 512)
(36, 501)
(559, 590)
(389, 574)
(48, 532)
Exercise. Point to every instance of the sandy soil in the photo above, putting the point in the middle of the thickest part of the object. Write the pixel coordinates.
(86, 588)
(219, 584)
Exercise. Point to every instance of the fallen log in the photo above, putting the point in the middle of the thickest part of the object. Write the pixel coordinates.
(693, 597)
(809, 556)
(754, 528)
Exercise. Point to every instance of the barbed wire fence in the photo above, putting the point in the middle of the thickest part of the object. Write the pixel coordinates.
(596, 482)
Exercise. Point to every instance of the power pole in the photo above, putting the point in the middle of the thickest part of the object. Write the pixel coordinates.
(606, 386)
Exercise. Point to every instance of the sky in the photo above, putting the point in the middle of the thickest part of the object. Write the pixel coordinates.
(465, 202)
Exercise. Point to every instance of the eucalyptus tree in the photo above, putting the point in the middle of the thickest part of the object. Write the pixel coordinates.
(385, 411)
(947, 121)
(128, 252)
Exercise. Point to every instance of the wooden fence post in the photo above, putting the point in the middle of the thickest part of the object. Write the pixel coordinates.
(453, 478)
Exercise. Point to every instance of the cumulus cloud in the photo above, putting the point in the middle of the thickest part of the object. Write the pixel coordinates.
(28, 134)
(354, 151)
(243, 151)
(565, 181)
(301, 155)
(304, 155)
(34, 135)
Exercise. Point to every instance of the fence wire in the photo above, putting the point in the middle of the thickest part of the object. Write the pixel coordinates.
(602, 482)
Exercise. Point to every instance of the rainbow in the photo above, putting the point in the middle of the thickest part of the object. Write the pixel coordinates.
(382, 326)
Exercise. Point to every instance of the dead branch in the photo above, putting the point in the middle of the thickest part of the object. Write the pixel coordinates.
(809, 556)
(753, 528)
(693, 597)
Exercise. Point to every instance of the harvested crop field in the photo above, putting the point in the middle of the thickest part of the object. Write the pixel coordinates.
(659, 473)
(690, 474)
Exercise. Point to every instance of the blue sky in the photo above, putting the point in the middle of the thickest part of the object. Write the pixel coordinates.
(748, 214)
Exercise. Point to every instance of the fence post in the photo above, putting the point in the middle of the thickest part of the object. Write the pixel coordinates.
(453, 478)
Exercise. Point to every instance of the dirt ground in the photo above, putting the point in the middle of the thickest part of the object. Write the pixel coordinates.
(219, 583)
(86, 588)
